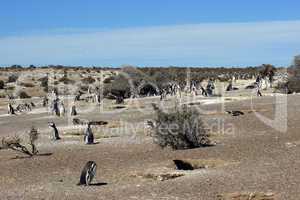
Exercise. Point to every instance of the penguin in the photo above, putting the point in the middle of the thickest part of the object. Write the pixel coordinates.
(88, 135)
(55, 135)
(88, 173)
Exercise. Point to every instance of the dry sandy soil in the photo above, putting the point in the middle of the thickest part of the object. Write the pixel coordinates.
(249, 161)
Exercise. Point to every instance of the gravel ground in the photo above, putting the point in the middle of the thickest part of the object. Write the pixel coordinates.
(260, 158)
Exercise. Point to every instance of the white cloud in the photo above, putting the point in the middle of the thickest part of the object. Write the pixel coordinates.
(196, 44)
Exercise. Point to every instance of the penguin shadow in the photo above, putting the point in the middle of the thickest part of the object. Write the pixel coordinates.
(94, 143)
(38, 155)
(98, 184)
(93, 184)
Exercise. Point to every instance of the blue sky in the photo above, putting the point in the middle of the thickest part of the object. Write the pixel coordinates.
(149, 33)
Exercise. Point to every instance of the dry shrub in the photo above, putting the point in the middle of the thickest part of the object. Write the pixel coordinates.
(44, 81)
(119, 87)
(126, 83)
(88, 80)
(26, 84)
(293, 84)
(23, 95)
(11, 87)
(179, 129)
(109, 80)
(84, 88)
(2, 85)
(12, 78)
(16, 144)
(66, 80)
(267, 70)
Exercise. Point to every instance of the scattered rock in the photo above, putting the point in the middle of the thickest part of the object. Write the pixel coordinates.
(248, 196)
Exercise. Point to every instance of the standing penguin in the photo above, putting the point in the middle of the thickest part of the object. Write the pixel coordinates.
(55, 135)
(54, 107)
(98, 98)
(210, 87)
(88, 173)
(62, 109)
(73, 110)
(45, 101)
(88, 135)
(10, 109)
(258, 85)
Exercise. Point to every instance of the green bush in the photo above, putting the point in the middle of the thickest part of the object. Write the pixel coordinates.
(179, 129)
